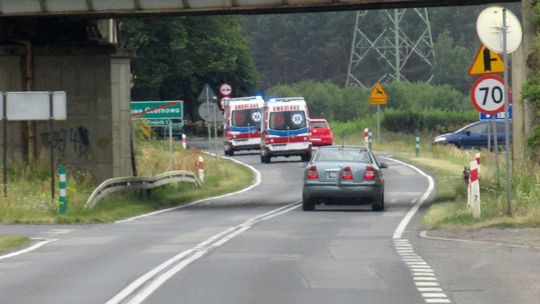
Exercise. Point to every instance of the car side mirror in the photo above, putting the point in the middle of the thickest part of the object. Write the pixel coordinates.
(383, 166)
(468, 133)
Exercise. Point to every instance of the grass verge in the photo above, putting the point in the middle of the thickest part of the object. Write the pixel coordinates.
(450, 211)
(152, 157)
(9, 242)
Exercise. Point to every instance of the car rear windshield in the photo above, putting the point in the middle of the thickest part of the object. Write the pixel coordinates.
(246, 118)
(287, 120)
(348, 155)
(318, 124)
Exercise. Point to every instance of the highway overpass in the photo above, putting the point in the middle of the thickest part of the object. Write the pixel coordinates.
(108, 8)
(96, 76)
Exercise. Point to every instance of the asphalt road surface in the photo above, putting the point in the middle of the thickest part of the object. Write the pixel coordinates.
(256, 246)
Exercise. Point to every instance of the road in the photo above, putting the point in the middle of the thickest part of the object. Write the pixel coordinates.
(251, 247)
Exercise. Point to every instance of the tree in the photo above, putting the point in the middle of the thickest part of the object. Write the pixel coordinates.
(176, 56)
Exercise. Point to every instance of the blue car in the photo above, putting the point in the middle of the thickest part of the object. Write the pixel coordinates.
(474, 135)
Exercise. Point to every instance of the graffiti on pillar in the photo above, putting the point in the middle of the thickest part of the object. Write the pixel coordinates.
(76, 140)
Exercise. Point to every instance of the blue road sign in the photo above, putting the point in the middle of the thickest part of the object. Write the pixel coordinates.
(498, 116)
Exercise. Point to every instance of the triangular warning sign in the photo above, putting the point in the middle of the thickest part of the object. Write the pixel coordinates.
(486, 62)
(378, 95)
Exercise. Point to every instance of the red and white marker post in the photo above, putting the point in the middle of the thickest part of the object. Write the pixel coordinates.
(184, 141)
(366, 137)
(200, 164)
(474, 189)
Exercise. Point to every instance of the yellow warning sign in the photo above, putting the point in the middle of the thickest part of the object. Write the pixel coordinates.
(378, 95)
(486, 62)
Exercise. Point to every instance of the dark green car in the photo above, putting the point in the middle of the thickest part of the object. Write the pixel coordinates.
(343, 175)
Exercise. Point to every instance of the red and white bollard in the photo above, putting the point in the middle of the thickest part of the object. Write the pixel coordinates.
(200, 164)
(366, 137)
(474, 189)
(477, 157)
(184, 141)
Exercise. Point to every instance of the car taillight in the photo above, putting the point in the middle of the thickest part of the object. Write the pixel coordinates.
(346, 173)
(312, 173)
(369, 174)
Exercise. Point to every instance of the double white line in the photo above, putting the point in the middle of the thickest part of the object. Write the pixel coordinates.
(143, 287)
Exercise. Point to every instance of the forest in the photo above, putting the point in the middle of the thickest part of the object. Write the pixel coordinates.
(299, 53)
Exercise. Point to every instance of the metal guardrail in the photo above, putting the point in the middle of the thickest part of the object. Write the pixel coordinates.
(139, 183)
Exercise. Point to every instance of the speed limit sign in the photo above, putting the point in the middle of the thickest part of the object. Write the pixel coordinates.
(487, 94)
(225, 89)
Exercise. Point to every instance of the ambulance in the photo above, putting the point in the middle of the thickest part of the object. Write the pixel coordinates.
(242, 124)
(285, 129)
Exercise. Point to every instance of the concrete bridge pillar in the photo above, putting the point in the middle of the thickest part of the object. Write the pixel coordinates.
(96, 77)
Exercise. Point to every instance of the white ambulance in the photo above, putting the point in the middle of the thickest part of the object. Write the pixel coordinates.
(285, 129)
(242, 124)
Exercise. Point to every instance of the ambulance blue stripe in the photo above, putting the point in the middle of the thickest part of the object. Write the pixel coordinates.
(243, 129)
(282, 133)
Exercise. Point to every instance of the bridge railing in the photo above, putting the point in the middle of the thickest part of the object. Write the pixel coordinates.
(139, 183)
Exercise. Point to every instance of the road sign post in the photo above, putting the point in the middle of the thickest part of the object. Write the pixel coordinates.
(510, 34)
(378, 97)
(162, 111)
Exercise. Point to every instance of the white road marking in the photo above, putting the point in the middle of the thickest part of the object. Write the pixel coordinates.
(26, 250)
(429, 289)
(204, 200)
(425, 279)
(426, 283)
(405, 221)
(437, 300)
(143, 287)
(423, 276)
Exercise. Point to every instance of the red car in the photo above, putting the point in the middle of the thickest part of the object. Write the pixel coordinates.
(321, 134)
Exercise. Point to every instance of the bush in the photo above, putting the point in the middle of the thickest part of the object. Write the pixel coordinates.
(428, 120)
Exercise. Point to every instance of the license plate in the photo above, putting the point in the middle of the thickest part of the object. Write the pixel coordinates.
(332, 174)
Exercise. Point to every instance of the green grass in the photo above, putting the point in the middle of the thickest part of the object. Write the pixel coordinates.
(449, 209)
(9, 242)
(152, 157)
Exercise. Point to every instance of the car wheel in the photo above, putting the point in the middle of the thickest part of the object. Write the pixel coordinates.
(378, 205)
(231, 152)
(306, 157)
(307, 204)
(265, 159)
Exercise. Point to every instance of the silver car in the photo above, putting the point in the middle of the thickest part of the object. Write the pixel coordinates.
(343, 175)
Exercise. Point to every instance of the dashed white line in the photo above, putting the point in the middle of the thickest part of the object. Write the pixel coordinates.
(423, 276)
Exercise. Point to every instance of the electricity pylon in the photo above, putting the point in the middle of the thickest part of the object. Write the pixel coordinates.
(401, 47)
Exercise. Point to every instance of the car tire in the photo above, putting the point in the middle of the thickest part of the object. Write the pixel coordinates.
(307, 204)
(265, 159)
(378, 205)
(306, 157)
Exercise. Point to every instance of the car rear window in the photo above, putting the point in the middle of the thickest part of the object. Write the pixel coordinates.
(318, 124)
(349, 155)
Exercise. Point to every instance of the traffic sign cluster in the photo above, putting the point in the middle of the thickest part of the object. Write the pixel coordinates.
(225, 91)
